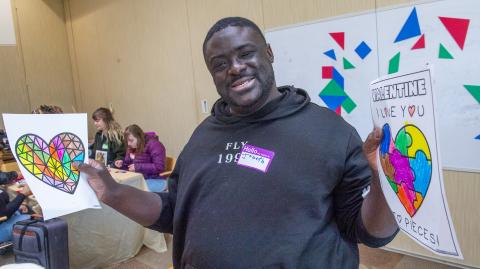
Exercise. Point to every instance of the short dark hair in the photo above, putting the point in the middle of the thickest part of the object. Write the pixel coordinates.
(231, 21)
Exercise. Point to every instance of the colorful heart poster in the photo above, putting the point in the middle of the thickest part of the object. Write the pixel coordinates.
(409, 164)
(45, 147)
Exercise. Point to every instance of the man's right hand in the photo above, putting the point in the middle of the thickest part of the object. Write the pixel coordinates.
(99, 179)
(125, 199)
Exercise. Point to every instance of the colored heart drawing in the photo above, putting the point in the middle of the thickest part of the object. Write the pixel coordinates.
(52, 163)
(407, 165)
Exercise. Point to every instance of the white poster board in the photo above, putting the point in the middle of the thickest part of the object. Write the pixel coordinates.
(7, 31)
(409, 162)
(301, 52)
(332, 61)
(451, 33)
(45, 146)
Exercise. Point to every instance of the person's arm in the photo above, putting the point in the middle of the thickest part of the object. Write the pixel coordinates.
(376, 214)
(140, 206)
(10, 207)
(157, 154)
(118, 151)
(349, 200)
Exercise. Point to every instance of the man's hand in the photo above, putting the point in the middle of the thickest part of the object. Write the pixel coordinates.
(376, 215)
(125, 199)
(370, 148)
(99, 179)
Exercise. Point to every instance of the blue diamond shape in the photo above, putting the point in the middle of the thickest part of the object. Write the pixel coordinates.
(363, 50)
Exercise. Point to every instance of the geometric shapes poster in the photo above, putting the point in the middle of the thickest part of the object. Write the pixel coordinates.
(448, 43)
(45, 147)
(443, 34)
(409, 162)
(333, 63)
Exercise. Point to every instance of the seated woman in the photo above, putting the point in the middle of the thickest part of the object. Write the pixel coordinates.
(146, 155)
(13, 211)
(108, 146)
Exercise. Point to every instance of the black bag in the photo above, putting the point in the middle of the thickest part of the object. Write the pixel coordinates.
(41, 242)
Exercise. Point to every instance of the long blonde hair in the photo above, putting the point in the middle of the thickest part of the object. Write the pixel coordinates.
(113, 130)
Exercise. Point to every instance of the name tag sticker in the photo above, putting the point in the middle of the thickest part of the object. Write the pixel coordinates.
(256, 158)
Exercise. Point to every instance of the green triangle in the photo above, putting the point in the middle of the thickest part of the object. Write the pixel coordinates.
(349, 105)
(474, 90)
(394, 64)
(332, 89)
(443, 53)
(347, 64)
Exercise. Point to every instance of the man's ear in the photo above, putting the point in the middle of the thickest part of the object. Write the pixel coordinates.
(270, 53)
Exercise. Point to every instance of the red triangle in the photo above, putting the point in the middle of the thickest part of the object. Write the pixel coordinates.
(339, 110)
(339, 37)
(457, 28)
(420, 43)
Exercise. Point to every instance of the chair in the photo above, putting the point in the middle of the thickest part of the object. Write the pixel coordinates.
(170, 164)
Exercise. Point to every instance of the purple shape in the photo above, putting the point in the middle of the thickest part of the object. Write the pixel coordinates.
(403, 172)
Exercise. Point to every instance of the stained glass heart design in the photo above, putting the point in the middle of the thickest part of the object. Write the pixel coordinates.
(52, 163)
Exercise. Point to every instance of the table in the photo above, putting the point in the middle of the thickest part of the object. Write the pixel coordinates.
(101, 237)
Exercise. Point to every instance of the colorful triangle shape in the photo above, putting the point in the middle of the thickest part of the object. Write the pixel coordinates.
(349, 105)
(410, 28)
(331, 54)
(474, 90)
(477, 137)
(443, 53)
(457, 28)
(333, 102)
(347, 64)
(332, 89)
(338, 110)
(420, 44)
(339, 37)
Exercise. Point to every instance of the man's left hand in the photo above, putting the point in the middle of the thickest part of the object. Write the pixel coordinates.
(370, 147)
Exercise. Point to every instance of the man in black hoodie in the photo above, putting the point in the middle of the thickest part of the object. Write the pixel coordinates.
(269, 180)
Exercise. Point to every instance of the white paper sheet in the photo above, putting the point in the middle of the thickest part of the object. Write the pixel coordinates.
(409, 160)
(44, 146)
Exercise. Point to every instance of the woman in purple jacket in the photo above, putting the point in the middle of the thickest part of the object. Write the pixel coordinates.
(145, 155)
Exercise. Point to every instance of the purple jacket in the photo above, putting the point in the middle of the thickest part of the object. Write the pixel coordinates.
(151, 162)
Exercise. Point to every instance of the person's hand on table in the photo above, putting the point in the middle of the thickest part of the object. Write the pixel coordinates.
(23, 209)
(118, 163)
(26, 190)
(131, 168)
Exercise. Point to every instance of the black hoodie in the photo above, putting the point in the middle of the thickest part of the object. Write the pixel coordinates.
(303, 212)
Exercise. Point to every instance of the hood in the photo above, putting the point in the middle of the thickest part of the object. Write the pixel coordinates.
(150, 136)
(290, 101)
